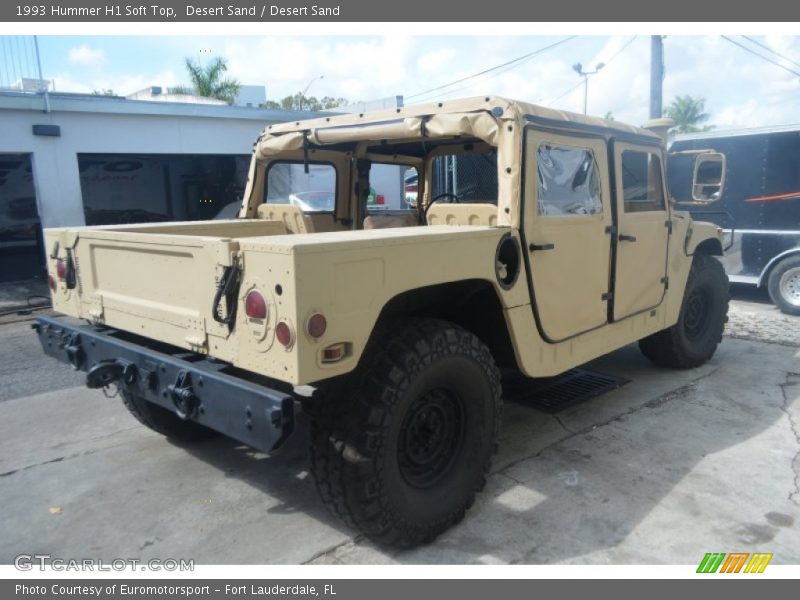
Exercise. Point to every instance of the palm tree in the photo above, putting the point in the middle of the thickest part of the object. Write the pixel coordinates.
(688, 113)
(207, 81)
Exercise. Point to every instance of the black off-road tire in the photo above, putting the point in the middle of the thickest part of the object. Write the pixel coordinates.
(163, 421)
(784, 285)
(402, 450)
(704, 311)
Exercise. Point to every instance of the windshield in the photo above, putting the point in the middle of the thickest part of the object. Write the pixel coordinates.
(465, 177)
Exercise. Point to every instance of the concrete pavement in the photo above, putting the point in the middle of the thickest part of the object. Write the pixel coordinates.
(671, 466)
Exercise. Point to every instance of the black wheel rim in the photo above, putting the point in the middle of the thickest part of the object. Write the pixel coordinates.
(695, 314)
(430, 438)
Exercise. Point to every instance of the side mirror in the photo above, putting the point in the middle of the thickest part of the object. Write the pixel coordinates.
(709, 177)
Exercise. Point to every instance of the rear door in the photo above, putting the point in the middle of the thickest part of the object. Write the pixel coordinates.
(642, 230)
(567, 211)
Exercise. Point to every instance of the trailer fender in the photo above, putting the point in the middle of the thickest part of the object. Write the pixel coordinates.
(764, 276)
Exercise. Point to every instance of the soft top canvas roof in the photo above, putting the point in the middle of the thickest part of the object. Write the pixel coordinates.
(478, 117)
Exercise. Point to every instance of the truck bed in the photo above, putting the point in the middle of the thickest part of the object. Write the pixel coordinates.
(159, 281)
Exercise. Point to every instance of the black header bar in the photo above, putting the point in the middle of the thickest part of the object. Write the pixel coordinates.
(442, 11)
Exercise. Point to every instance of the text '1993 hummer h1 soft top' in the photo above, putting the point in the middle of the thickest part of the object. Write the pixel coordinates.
(530, 239)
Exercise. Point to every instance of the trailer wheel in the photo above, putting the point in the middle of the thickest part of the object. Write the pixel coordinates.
(163, 421)
(784, 285)
(694, 338)
(401, 453)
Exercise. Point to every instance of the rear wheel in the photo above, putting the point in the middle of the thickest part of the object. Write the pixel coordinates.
(164, 421)
(784, 285)
(402, 451)
(694, 338)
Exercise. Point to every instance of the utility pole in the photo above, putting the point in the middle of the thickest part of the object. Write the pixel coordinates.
(656, 76)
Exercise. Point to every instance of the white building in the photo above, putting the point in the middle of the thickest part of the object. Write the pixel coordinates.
(102, 159)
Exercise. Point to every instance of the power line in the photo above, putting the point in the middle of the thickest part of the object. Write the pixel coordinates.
(515, 60)
(469, 86)
(621, 50)
(608, 62)
(775, 52)
(572, 89)
(761, 56)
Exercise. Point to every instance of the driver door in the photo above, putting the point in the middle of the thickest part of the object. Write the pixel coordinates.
(566, 215)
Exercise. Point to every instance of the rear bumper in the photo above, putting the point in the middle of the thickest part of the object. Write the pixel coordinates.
(191, 385)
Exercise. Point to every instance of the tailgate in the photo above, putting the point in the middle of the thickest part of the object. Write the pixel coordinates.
(160, 285)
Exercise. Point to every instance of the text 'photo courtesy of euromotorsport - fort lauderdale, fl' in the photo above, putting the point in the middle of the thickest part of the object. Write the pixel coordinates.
(184, 590)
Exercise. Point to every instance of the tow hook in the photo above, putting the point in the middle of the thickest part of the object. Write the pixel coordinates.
(107, 372)
(75, 355)
(183, 396)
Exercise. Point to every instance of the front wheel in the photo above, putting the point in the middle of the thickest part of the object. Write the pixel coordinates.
(402, 452)
(784, 285)
(704, 310)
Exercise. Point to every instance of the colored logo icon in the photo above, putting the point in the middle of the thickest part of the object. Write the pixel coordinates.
(735, 562)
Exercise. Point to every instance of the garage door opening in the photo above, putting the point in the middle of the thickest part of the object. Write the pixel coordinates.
(21, 252)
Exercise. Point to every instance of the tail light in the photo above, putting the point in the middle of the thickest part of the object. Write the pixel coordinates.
(52, 281)
(316, 326)
(334, 353)
(284, 333)
(61, 269)
(255, 306)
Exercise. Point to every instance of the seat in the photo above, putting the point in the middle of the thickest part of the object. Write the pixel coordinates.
(387, 221)
(474, 213)
(290, 215)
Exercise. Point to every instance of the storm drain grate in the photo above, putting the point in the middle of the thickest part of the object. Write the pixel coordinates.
(552, 394)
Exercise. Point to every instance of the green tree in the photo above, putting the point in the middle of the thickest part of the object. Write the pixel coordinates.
(104, 92)
(208, 81)
(299, 102)
(688, 114)
(609, 116)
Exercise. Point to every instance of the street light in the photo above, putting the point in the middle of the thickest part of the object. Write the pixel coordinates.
(578, 68)
(303, 93)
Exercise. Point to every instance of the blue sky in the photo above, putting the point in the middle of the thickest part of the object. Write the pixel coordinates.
(741, 90)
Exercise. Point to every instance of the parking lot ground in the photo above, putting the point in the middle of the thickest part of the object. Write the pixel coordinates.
(660, 471)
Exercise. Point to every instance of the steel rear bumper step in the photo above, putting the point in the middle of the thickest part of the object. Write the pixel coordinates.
(188, 384)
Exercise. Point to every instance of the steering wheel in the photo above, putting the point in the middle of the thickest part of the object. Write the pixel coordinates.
(454, 198)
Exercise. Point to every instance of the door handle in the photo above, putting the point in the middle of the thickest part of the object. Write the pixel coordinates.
(627, 238)
(541, 247)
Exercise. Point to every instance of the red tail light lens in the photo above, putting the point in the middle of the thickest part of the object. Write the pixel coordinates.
(317, 324)
(255, 306)
(51, 280)
(284, 333)
(61, 269)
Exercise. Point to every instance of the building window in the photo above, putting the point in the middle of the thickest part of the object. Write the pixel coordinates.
(144, 188)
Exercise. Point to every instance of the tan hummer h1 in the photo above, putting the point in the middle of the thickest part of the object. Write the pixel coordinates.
(533, 240)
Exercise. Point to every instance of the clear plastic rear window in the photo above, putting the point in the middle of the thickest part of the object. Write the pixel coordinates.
(315, 191)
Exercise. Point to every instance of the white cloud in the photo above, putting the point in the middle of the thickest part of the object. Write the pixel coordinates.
(121, 84)
(435, 60)
(85, 56)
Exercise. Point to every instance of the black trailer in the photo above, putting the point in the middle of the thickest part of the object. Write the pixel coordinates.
(758, 204)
